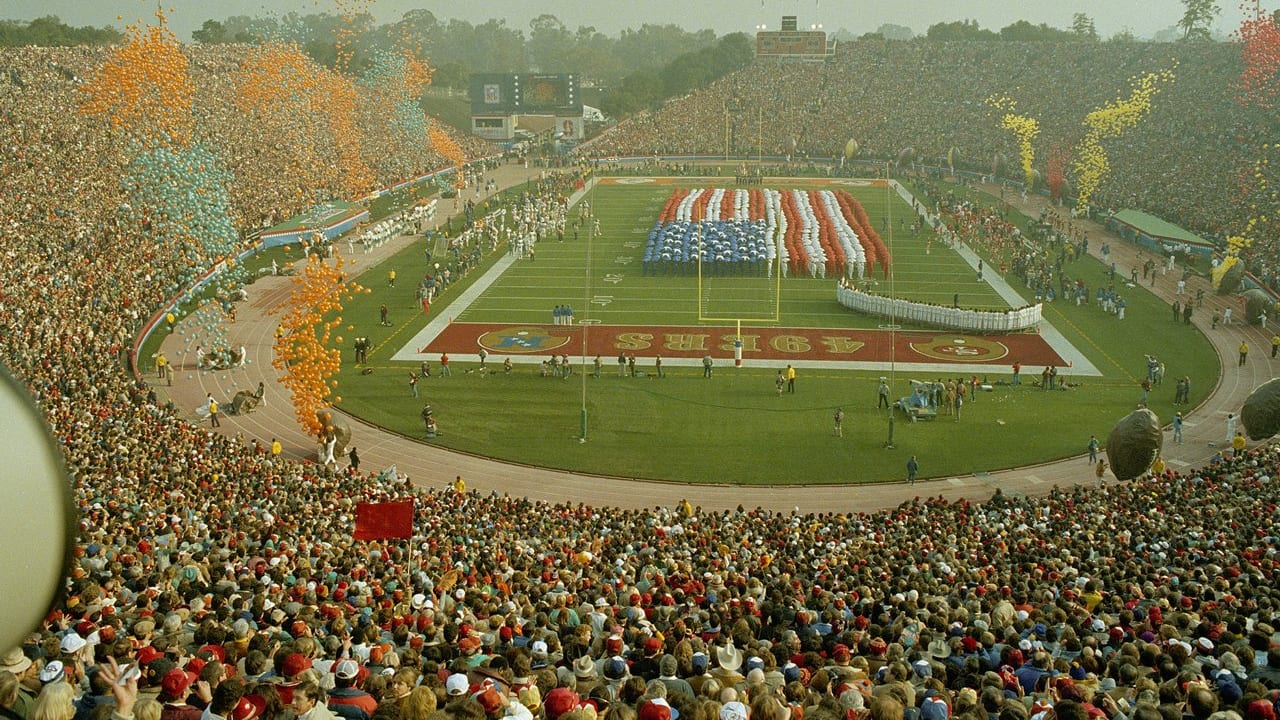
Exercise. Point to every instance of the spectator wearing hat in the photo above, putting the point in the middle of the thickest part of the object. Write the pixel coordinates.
(655, 709)
(289, 669)
(531, 698)
(560, 701)
(733, 710)
(646, 666)
(345, 699)
(586, 674)
(249, 707)
(470, 647)
(497, 704)
(667, 669)
(935, 707)
(26, 676)
(615, 674)
(175, 688)
(839, 666)
(52, 672)
(728, 663)
(456, 686)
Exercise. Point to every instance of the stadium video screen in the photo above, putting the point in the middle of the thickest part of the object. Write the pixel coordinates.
(498, 93)
(548, 92)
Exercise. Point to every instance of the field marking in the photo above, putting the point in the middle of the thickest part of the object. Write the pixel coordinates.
(1077, 362)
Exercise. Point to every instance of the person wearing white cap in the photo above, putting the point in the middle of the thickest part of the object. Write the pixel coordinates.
(457, 685)
(53, 671)
(345, 695)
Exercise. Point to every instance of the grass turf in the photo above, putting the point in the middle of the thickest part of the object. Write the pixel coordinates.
(734, 428)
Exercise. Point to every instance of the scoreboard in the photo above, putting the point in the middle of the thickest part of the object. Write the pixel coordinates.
(791, 43)
(530, 93)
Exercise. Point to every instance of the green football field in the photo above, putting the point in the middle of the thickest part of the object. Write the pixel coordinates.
(619, 292)
(734, 428)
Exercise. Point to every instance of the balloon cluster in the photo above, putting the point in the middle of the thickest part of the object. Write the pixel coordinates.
(1236, 245)
(1024, 129)
(353, 13)
(1259, 39)
(312, 109)
(181, 196)
(1056, 169)
(305, 350)
(1091, 164)
(204, 337)
(144, 87)
(393, 84)
(448, 147)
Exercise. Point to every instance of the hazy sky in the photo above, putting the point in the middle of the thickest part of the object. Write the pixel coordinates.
(1143, 17)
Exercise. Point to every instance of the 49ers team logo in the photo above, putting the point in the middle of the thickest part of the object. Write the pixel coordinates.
(958, 348)
(522, 339)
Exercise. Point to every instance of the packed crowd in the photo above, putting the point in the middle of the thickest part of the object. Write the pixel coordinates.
(228, 575)
(926, 98)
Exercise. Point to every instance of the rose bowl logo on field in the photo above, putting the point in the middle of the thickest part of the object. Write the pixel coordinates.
(523, 339)
(955, 348)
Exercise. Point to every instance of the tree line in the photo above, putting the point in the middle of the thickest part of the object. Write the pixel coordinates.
(50, 31)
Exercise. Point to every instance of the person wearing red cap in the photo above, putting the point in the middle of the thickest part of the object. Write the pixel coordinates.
(559, 701)
(175, 688)
(250, 707)
(646, 666)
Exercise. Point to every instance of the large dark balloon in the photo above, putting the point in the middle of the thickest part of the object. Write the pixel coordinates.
(1134, 443)
(1261, 411)
(1258, 302)
(1231, 279)
(341, 430)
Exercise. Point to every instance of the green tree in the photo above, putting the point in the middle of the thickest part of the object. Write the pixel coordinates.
(959, 30)
(550, 44)
(1125, 35)
(1024, 31)
(499, 48)
(50, 31)
(212, 32)
(1197, 20)
(1082, 26)
(889, 31)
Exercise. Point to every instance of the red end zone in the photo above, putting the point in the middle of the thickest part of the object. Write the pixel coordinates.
(800, 344)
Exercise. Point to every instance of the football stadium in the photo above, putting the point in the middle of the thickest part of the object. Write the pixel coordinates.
(356, 365)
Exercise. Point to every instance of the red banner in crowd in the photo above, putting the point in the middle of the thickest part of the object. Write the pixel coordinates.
(379, 521)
